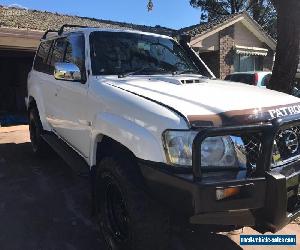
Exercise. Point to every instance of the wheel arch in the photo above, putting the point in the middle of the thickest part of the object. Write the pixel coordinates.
(107, 146)
(141, 141)
(31, 103)
(34, 102)
(104, 147)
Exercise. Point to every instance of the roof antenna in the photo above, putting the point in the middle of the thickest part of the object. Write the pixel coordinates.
(150, 6)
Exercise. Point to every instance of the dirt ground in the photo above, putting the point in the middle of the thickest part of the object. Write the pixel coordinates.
(45, 206)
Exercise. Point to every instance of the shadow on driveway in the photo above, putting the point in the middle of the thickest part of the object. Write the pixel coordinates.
(45, 206)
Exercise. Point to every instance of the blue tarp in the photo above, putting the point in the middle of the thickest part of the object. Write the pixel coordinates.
(9, 120)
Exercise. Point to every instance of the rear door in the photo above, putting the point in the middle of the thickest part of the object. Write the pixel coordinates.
(41, 75)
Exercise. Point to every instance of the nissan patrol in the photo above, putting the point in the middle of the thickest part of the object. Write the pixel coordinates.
(161, 137)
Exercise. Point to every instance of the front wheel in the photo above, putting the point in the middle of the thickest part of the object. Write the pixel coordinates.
(127, 217)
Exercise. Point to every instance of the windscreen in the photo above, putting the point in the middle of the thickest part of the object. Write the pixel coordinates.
(115, 53)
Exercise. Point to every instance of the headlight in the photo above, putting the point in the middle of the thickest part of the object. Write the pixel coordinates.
(216, 151)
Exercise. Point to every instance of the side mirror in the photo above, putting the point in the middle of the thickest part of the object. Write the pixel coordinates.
(67, 72)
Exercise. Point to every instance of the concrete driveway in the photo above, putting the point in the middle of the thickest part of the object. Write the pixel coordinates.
(45, 206)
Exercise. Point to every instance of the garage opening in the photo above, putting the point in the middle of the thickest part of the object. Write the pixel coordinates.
(14, 68)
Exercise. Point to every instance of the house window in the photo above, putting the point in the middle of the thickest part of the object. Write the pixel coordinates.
(244, 63)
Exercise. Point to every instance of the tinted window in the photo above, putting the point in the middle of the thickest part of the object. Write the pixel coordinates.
(75, 52)
(248, 79)
(117, 53)
(235, 78)
(244, 78)
(40, 63)
(58, 53)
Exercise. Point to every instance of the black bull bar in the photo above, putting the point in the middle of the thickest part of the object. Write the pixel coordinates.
(274, 215)
(268, 130)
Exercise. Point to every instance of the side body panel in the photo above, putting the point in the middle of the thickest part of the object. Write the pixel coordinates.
(68, 114)
(37, 82)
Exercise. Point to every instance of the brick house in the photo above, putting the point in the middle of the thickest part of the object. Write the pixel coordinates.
(228, 44)
(233, 43)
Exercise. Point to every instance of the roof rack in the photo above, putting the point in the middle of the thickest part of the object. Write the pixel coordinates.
(46, 33)
(61, 30)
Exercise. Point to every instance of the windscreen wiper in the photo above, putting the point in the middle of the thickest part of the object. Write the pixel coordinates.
(149, 69)
(131, 73)
(181, 72)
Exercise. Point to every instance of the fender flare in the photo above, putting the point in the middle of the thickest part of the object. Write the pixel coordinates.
(136, 138)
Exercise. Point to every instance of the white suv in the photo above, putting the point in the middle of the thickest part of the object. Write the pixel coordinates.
(162, 138)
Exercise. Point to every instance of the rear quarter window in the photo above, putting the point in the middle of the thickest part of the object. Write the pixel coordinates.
(41, 59)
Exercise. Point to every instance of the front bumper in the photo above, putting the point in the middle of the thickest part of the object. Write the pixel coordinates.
(267, 203)
(268, 200)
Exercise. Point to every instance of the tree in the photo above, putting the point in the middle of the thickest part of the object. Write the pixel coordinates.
(262, 11)
(287, 50)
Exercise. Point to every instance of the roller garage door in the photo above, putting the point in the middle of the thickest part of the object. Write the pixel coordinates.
(14, 68)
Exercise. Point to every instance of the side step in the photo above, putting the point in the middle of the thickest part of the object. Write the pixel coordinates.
(72, 158)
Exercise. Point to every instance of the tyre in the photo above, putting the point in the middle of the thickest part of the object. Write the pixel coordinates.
(39, 146)
(127, 217)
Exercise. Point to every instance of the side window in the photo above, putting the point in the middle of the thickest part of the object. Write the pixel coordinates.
(40, 63)
(75, 52)
(58, 53)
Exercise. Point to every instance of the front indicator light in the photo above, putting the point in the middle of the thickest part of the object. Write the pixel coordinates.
(223, 193)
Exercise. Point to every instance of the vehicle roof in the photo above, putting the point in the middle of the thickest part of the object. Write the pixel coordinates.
(89, 30)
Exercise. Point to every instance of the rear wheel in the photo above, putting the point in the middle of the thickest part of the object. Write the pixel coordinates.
(127, 217)
(39, 146)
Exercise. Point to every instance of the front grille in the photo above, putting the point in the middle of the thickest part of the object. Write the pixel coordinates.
(286, 147)
(252, 145)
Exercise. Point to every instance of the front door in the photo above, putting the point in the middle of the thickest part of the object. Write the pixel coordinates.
(69, 117)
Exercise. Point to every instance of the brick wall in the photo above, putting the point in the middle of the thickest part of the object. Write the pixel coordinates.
(226, 51)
